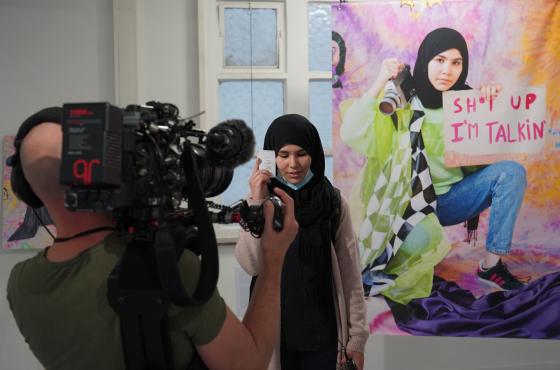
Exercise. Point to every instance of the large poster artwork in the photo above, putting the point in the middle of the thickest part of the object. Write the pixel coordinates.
(452, 170)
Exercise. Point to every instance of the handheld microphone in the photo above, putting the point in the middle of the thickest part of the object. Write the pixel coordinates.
(230, 143)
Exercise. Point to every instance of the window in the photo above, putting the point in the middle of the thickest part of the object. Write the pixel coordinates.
(259, 60)
(250, 37)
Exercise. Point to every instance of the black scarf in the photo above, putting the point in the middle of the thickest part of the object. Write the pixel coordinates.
(436, 42)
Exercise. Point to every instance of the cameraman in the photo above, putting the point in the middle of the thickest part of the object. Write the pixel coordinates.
(59, 297)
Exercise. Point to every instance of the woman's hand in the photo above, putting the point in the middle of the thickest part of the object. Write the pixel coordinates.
(390, 68)
(358, 358)
(490, 91)
(258, 181)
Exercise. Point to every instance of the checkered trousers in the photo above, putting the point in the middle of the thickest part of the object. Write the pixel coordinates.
(400, 200)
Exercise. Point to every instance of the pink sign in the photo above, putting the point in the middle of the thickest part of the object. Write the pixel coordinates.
(479, 130)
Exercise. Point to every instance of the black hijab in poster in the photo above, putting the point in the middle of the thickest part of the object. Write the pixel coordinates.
(438, 41)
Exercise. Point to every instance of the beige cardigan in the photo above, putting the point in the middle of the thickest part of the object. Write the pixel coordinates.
(348, 290)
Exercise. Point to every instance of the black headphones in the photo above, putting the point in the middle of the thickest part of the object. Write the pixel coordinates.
(20, 186)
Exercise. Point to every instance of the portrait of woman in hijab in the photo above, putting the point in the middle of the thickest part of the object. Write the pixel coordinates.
(323, 310)
(338, 47)
(407, 251)
(416, 218)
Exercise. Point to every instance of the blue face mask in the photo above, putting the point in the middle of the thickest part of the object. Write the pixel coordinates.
(297, 186)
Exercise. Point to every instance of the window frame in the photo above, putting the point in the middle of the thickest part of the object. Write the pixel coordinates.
(280, 32)
(293, 57)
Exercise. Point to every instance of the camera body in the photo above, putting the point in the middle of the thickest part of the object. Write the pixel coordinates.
(252, 216)
(398, 92)
(136, 162)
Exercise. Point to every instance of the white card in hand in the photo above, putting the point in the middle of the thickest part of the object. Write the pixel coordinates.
(268, 161)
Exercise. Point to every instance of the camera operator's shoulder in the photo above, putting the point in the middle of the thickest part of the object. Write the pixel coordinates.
(26, 275)
(17, 273)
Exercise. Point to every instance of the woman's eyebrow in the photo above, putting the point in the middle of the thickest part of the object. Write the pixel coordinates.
(444, 57)
(286, 152)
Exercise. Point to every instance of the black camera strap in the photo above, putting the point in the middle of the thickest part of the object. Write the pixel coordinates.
(200, 239)
(146, 280)
(84, 233)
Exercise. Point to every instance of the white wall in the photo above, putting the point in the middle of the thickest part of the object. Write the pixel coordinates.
(171, 53)
(59, 51)
(52, 52)
(156, 50)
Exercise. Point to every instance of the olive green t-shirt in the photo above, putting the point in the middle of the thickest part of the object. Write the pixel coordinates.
(61, 308)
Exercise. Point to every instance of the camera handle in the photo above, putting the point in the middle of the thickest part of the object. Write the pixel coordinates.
(146, 280)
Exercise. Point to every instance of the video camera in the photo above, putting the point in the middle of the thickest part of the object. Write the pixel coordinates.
(134, 162)
(153, 171)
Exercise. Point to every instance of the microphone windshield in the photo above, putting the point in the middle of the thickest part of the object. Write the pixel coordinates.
(230, 143)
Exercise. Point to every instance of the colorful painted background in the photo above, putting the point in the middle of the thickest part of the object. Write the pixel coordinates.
(511, 42)
(21, 228)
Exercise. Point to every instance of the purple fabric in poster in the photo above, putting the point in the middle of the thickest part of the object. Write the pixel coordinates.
(531, 312)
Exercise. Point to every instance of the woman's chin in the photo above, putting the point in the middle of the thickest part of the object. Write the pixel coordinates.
(294, 181)
(442, 88)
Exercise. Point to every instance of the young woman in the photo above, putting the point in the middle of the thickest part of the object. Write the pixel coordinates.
(407, 191)
(323, 309)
